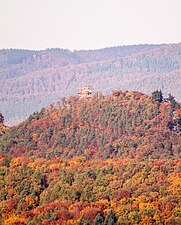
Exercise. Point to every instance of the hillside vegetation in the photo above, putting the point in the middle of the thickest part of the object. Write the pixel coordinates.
(104, 160)
(31, 80)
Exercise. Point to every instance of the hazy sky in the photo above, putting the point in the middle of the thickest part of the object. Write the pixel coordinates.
(88, 24)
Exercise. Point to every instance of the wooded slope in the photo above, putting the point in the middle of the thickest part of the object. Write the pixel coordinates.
(110, 160)
(31, 80)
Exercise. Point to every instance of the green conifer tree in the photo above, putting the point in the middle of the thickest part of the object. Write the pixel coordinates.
(171, 99)
(111, 218)
(98, 220)
(1, 118)
(157, 96)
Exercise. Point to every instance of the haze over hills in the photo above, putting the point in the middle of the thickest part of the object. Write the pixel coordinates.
(31, 80)
(90, 131)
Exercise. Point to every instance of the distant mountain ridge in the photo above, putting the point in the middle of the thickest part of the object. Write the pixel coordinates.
(31, 80)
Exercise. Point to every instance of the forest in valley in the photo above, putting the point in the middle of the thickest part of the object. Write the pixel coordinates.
(110, 159)
(31, 80)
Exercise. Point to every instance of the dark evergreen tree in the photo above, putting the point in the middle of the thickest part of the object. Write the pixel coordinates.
(111, 218)
(157, 96)
(98, 220)
(171, 99)
(1, 118)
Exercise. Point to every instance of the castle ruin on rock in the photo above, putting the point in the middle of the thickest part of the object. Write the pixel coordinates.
(85, 92)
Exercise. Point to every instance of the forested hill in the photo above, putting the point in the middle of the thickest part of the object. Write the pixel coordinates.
(31, 80)
(124, 124)
(106, 160)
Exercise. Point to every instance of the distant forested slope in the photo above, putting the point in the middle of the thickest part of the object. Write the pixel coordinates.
(31, 80)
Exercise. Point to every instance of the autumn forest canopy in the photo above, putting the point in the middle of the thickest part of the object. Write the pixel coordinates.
(107, 159)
